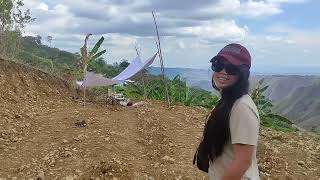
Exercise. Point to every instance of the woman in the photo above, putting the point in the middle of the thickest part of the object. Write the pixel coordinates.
(231, 133)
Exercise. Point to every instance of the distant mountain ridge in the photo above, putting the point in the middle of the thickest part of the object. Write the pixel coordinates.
(294, 96)
(302, 106)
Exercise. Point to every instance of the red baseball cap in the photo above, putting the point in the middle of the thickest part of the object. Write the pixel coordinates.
(235, 54)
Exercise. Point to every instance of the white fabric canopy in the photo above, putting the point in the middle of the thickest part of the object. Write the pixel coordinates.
(93, 80)
(135, 66)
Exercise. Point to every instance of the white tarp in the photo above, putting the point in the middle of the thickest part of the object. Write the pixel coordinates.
(134, 67)
(93, 80)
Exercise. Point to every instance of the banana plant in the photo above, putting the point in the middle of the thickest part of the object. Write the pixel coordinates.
(263, 104)
(93, 54)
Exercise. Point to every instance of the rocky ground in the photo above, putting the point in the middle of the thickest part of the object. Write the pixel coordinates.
(46, 134)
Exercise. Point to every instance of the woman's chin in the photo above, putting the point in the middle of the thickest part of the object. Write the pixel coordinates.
(222, 86)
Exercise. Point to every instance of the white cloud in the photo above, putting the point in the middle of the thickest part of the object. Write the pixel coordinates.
(43, 6)
(254, 9)
(274, 38)
(297, 36)
(191, 33)
(286, 1)
(215, 30)
(36, 5)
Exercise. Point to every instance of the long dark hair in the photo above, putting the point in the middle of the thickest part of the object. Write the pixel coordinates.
(217, 132)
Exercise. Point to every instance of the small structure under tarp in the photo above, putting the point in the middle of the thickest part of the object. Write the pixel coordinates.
(94, 80)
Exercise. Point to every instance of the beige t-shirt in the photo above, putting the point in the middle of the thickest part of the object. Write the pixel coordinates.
(244, 129)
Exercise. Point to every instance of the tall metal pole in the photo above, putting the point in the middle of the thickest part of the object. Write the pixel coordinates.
(161, 60)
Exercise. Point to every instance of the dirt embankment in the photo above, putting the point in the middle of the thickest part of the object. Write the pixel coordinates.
(45, 134)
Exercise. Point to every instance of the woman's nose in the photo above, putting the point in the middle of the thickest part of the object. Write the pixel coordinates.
(223, 71)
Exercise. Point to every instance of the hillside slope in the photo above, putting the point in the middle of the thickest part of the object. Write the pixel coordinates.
(45, 134)
(302, 106)
(281, 86)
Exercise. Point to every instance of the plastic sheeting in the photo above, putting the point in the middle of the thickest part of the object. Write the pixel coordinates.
(134, 67)
(93, 80)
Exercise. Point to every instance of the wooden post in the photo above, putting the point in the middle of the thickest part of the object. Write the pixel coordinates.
(161, 60)
(84, 96)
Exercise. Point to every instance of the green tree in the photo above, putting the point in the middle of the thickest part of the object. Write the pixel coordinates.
(38, 39)
(124, 64)
(49, 39)
(98, 65)
(12, 20)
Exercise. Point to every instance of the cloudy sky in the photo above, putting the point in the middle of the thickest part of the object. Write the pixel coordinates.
(278, 33)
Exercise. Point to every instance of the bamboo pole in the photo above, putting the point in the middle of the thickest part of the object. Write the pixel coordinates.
(161, 60)
(138, 50)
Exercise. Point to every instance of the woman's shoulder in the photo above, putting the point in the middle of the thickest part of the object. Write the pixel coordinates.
(247, 101)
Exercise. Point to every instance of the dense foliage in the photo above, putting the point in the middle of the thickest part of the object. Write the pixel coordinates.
(267, 117)
(178, 90)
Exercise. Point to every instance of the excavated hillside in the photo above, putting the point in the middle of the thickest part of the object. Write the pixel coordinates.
(45, 134)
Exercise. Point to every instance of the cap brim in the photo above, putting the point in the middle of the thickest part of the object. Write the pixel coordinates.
(228, 58)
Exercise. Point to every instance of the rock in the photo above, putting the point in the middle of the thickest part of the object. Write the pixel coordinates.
(78, 171)
(117, 161)
(156, 165)
(70, 177)
(301, 143)
(64, 141)
(17, 116)
(40, 175)
(168, 159)
(301, 163)
(275, 150)
(67, 154)
(46, 158)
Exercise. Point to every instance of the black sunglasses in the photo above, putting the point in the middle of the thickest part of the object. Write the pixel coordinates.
(217, 66)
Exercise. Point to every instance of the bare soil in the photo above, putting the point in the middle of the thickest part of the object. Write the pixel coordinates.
(46, 134)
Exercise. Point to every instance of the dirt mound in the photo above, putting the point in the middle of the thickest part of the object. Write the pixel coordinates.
(46, 135)
(24, 90)
(20, 82)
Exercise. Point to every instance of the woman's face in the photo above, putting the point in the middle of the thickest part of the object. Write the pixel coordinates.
(223, 80)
